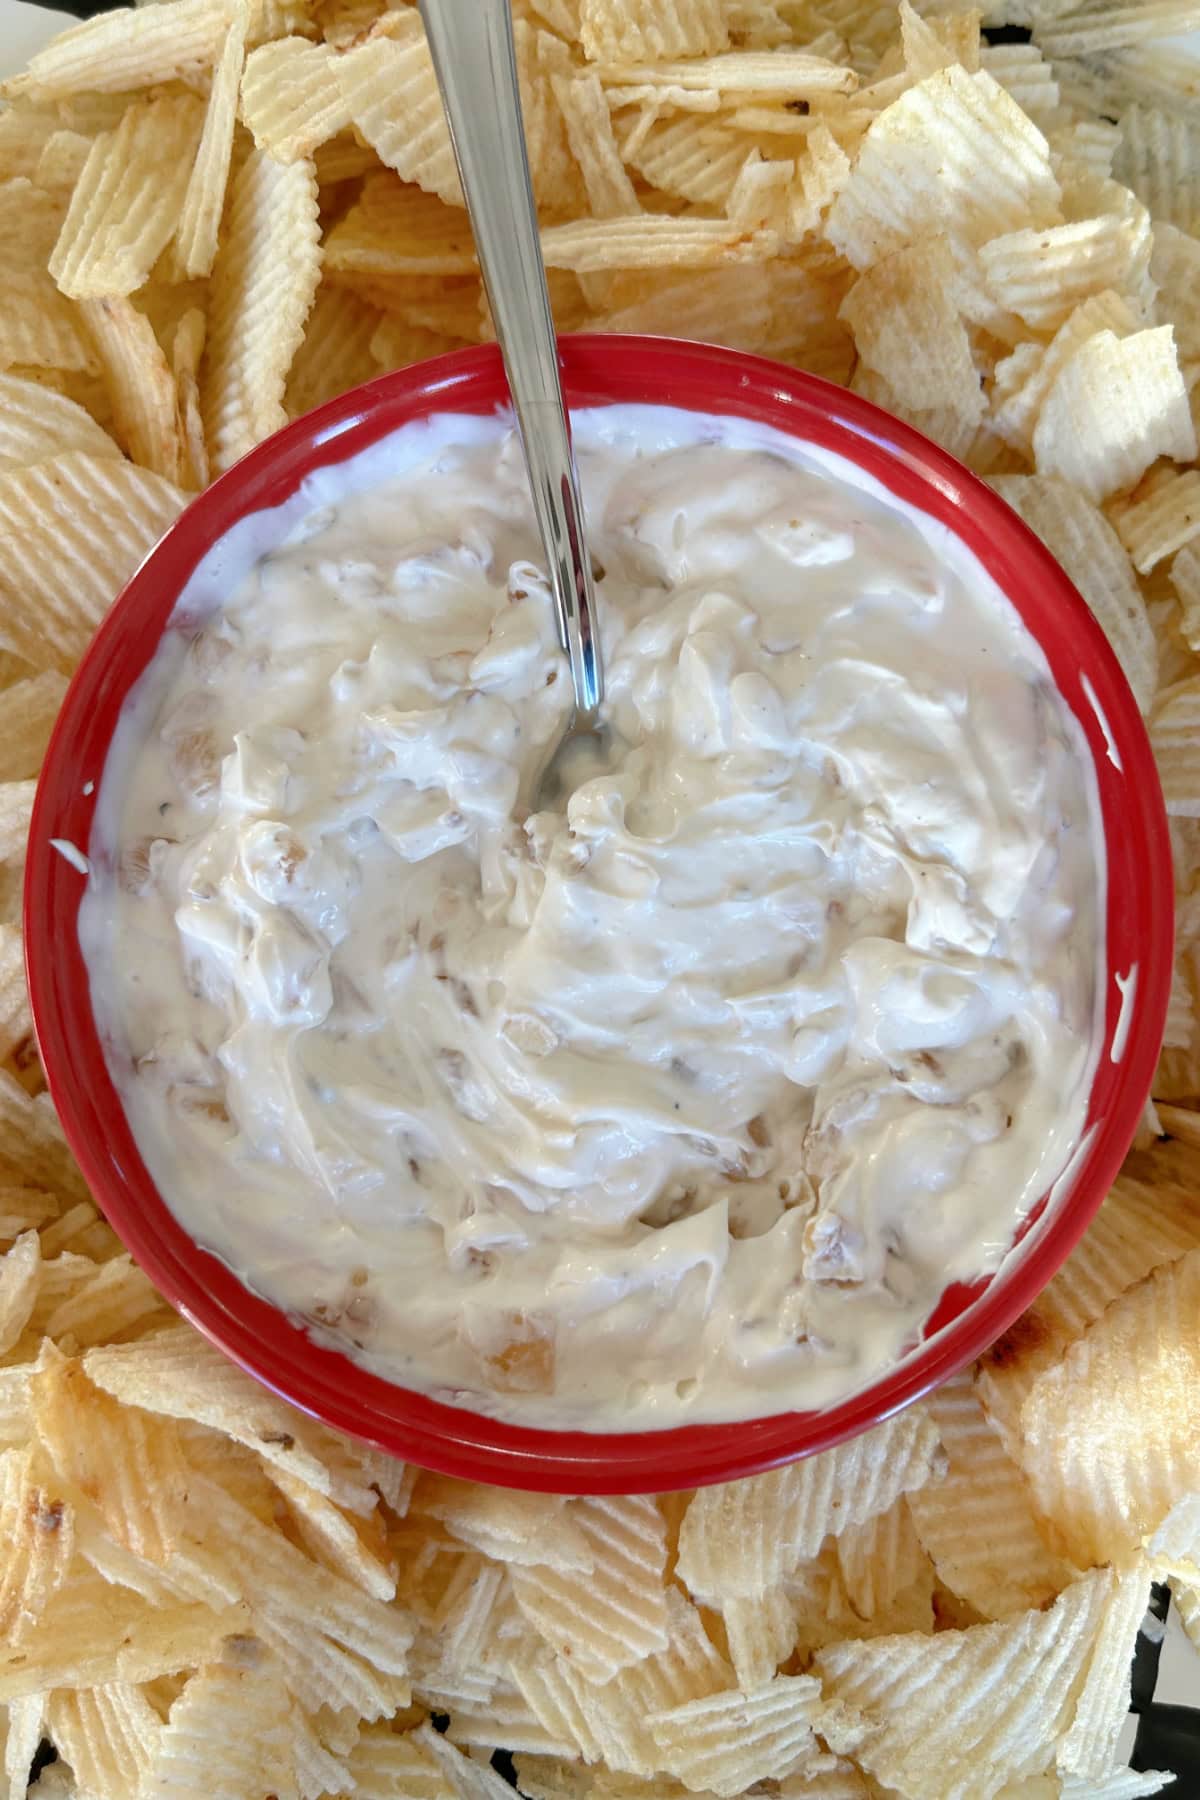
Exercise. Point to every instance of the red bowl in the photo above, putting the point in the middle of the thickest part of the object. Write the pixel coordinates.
(599, 370)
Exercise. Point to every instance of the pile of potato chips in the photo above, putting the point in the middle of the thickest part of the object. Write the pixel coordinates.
(215, 214)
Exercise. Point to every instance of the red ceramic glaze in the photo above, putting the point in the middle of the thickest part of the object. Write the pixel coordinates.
(597, 370)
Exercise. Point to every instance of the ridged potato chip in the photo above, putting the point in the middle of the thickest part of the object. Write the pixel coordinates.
(762, 1635)
(114, 53)
(291, 98)
(955, 1716)
(72, 530)
(953, 154)
(140, 385)
(39, 328)
(257, 1758)
(740, 1540)
(1089, 1746)
(395, 228)
(1023, 379)
(978, 1521)
(1117, 405)
(1174, 728)
(335, 353)
(732, 1739)
(1111, 1434)
(108, 1304)
(204, 197)
(698, 162)
(616, 1613)
(649, 242)
(634, 31)
(263, 285)
(20, 1278)
(127, 201)
(1163, 522)
(588, 122)
(33, 1151)
(1023, 72)
(1088, 548)
(1042, 276)
(392, 98)
(108, 1735)
(1175, 268)
(36, 1542)
(30, 706)
(907, 326)
(515, 1528)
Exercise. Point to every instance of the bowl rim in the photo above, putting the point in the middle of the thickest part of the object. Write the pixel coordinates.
(597, 369)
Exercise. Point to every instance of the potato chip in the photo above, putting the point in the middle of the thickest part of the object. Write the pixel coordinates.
(557, 183)
(762, 1635)
(1166, 520)
(72, 531)
(16, 1023)
(61, 163)
(335, 354)
(391, 96)
(634, 31)
(741, 1539)
(394, 228)
(320, 1672)
(1089, 1747)
(291, 97)
(1023, 379)
(107, 1734)
(906, 325)
(795, 74)
(127, 200)
(884, 1569)
(1023, 72)
(514, 1528)
(941, 1711)
(23, 1208)
(351, 1547)
(1093, 556)
(953, 154)
(113, 53)
(468, 1780)
(20, 1277)
(118, 1297)
(760, 195)
(1108, 1431)
(1115, 24)
(32, 1148)
(1085, 148)
(256, 1758)
(978, 1521)
(179, 1374)
(648, 242)
(1116, 406)
(36, 424)
(698, 162)
(36, 1540)
(1140, 1225)
(129, 1461)
(140, 384)
(263, 285)
(616, 1613)
(38, 327)
(1175, 268)
(1174, 725)
(588, 122)
(732, 1739)
(204, 198)
(20, 1743)
(25, 130)
(16, 810)
(390, 1765)
(1043, 275)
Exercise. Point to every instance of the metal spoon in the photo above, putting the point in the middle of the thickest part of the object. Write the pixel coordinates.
(471, 42)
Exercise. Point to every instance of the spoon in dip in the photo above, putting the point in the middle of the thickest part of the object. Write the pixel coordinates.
(471, 42)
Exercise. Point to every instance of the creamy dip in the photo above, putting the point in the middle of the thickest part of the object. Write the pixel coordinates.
(685, 1098)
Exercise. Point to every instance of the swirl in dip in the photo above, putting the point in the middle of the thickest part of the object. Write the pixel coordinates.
(686, 1098)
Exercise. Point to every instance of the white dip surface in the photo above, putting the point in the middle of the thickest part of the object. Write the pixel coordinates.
(682, 1101)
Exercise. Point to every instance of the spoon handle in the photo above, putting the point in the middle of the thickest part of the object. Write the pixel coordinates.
(471, 42)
